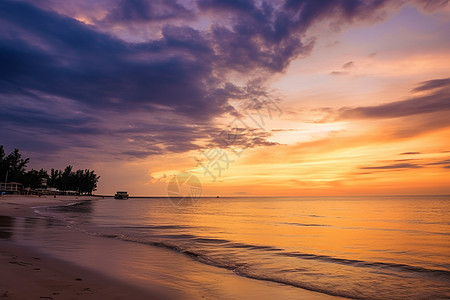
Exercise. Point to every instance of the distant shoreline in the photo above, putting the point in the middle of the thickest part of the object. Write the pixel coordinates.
(336, 196)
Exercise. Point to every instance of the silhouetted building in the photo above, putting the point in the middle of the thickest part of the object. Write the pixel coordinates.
(11, 187)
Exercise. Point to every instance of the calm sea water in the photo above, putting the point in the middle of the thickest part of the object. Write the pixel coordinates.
(358, 247)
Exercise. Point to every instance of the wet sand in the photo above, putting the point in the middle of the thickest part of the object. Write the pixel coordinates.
(37, 272)
(28, 273)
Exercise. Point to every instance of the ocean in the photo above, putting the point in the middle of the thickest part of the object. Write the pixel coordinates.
(389, 247)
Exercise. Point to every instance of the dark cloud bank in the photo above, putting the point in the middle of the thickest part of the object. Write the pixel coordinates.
(411, 165)
(65, 84)
(437, 100)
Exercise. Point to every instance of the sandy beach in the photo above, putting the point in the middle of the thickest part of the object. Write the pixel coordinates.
(27, 274)
(30, 273)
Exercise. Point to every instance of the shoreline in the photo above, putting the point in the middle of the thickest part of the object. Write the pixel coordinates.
(58, 274)
(45, 276)
(29, 274)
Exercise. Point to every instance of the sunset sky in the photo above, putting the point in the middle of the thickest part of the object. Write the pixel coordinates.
(295, 97)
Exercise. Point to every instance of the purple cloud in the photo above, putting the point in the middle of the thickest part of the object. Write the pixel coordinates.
(394, 166)
(432, 84)
(436, 102)
(147, 11)
(348, 65)
(78, 85)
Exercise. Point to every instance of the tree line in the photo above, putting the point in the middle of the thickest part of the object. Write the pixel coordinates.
(13, 168)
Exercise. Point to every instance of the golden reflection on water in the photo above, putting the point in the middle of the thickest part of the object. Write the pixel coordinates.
(399, 229)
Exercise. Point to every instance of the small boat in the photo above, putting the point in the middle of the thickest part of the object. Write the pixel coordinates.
(121, 195)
